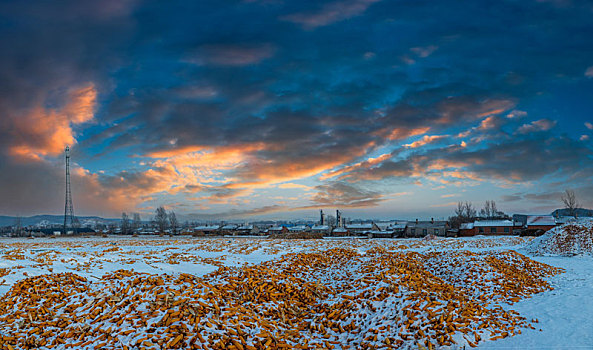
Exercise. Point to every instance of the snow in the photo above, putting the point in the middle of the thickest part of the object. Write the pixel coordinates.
(488, 223)
(563, 314)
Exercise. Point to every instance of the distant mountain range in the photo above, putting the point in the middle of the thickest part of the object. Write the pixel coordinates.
(54, 219)
(580, 212)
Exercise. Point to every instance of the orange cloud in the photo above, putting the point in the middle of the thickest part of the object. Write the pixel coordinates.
(489, 123)
(365, 164)
(42, 132)
(451, 110)
(426, 139)
(403, 133)
(290, 185)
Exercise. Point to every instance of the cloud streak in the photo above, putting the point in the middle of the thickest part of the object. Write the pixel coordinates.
(330, 13)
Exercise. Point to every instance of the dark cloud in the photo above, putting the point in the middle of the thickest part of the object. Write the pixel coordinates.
(345, 195)
(537, 126)
(233, 55)
(236, 214)
(290, 103)
(506, 159)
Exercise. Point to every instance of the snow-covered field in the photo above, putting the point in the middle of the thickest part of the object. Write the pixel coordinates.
(251, 293)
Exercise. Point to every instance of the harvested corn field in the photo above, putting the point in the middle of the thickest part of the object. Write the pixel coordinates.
(255, 294)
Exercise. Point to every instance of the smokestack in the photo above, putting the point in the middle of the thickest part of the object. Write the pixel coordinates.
(432, 220)
(416, 221)
(338, 218)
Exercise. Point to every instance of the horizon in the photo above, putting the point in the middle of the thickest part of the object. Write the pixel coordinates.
(271, 109)
(311, 218)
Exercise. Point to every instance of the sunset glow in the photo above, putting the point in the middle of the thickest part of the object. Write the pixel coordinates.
(274, 109)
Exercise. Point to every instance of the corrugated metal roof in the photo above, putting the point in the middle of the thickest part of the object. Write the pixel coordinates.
(360, 226)
(427, 224)
(541, 220)
(206, 228)
(391, 225)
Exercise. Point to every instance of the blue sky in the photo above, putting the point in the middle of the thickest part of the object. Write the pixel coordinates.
(277, 108)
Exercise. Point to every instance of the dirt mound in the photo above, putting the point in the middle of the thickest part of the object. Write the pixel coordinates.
(568, 240)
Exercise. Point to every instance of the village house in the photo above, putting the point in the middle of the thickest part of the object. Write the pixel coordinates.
(207, 229)
(247, 230)
(276, 230)
(493, 227)
(396, 227)
(538, 224)
(424, 228)
(299, 228)
(362, 228)
(466, 229)
(323, 229)
(229, 228)
(340, 232)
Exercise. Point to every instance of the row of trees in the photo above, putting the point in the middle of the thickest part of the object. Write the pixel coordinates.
(128, 225)
(162, 220)
(465, 211)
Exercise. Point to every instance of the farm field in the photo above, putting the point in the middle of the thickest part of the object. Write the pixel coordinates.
(251, 293)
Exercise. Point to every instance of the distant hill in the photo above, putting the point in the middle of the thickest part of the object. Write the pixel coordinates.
(580, 212)
(54, 219)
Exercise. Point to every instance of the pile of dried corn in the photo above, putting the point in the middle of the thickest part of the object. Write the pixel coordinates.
(335, 299)
(570, 239)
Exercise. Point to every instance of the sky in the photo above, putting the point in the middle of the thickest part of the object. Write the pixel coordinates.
(274, 109)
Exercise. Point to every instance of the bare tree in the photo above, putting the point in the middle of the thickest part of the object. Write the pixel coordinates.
(330, 220)
(469, 212)
(18, 227)
(570, 201)
(173, 221)
(464, 212)
(485, 212)
(125, 223)
(161, 219)
(136, 221)
(490, 211)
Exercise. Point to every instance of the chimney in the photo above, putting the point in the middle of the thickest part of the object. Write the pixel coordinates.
(416, 221)
(432, 220)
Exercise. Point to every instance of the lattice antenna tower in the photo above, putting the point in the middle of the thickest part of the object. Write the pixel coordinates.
(68, 208)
